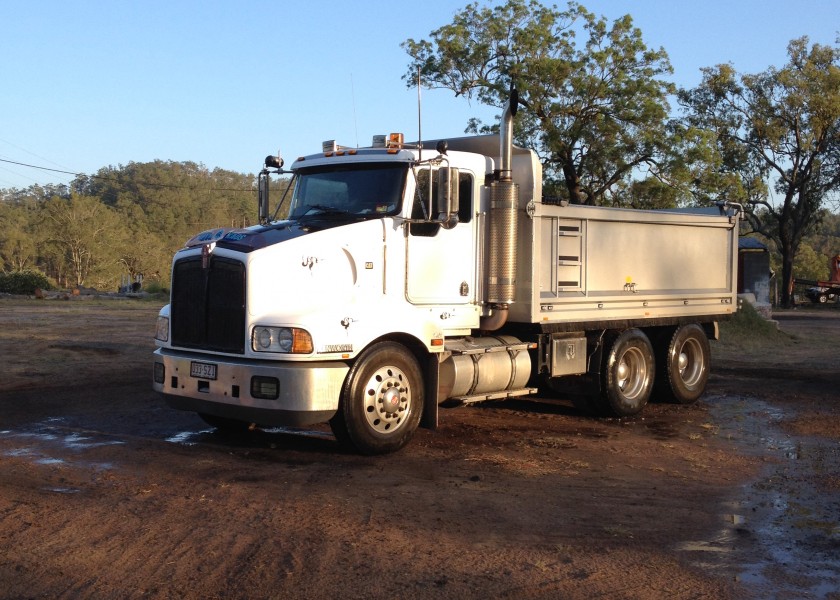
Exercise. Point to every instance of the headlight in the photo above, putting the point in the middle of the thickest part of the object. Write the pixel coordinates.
(162, 329)
(288, 340)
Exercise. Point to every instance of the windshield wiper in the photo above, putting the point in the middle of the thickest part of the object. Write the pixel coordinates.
(325, 211)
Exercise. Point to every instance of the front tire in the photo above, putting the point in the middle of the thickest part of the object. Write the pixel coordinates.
(381, 401)
(684, 365)
(627, 374)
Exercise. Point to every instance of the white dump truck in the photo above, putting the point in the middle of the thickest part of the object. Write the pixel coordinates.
(404, 278)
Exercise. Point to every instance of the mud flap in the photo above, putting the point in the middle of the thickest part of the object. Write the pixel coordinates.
(429, 419)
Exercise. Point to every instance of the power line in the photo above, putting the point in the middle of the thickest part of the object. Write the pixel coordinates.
(139, 182)
(7, 142)
(14, 162)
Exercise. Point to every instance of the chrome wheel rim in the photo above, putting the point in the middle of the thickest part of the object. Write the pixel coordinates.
(690, 362)
(387, 399)
(632, 373)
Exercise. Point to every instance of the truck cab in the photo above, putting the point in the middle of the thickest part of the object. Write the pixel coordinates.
(266, 323)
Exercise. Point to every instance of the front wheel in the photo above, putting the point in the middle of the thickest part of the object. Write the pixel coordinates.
(627, 374)
(381, 400)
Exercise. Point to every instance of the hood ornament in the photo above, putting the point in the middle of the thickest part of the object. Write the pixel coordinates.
(206, 250)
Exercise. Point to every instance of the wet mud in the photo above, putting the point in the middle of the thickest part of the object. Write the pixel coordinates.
(105, 492)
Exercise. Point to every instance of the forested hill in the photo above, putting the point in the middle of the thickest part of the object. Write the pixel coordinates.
(120, 222)
(129, 220)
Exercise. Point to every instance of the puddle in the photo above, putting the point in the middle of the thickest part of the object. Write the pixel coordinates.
(61, 490)
(785, 528)
(187, 438)
(323, 435)
(49, 447)
(191, 438)
(75, 441)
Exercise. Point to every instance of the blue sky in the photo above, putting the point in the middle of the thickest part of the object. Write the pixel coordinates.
(87, 84)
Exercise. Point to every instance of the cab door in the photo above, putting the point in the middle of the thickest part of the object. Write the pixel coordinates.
(440, 262)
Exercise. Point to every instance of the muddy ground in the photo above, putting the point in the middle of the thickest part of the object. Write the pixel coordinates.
(105, 492)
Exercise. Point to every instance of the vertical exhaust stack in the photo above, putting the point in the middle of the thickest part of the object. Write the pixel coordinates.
(504, 202)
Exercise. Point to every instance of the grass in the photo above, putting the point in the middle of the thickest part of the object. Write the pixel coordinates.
(749, 332)
(749, 323)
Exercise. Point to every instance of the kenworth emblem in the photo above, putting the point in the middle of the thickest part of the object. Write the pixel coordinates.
(309, 261)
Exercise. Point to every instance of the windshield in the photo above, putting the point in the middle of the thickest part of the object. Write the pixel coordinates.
(356, 190)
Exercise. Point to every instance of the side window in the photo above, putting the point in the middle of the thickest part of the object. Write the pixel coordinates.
(465, 187)
(425, 202)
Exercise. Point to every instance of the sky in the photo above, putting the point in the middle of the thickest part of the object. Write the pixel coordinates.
(91, 84)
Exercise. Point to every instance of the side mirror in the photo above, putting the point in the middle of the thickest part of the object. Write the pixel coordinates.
(262, 195)
(447, 197)
(263, 181)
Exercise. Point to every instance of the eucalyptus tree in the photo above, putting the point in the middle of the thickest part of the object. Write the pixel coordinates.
(778, 136)
(18, 236)
(596, 113)
(82, 234)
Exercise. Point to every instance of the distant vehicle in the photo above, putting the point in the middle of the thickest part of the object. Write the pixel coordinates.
(821, 295)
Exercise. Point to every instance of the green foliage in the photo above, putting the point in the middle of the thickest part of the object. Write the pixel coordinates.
(749, 331)
(23, 282)
(155, 288)
(748, 322)
(810, 265)
(18, 236)
(775, 130)
(82, 231)
(595, 112)
(646, 194)
(123, 221)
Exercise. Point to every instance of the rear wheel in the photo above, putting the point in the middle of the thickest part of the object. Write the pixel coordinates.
(381, 401)
(683, 365)
(627, 374)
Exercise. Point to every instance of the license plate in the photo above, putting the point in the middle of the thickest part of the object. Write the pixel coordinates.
(202, 370)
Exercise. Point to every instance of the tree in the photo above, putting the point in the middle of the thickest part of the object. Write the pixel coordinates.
(597, 115)
(18, 242)
(81, 231)
(779, 132)
(161, 204)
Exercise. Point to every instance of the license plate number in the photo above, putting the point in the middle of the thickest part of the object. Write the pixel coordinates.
(202, 370)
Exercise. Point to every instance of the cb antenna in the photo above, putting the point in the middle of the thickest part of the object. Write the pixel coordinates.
(355, 120)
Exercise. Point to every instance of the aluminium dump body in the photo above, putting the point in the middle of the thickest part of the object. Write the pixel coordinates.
(584, 267)
(584, 264)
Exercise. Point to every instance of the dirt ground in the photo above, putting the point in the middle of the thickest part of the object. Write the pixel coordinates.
(107, 493)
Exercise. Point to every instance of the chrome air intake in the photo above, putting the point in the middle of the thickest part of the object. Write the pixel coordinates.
(504, 202)
(501, 282)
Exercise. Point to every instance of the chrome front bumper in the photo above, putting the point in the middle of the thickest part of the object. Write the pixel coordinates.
(307, 393)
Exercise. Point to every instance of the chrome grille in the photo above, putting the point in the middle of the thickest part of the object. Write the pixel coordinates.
(208, 305)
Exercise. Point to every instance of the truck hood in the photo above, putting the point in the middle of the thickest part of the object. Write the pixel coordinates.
(328, 268)
(255, 238)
